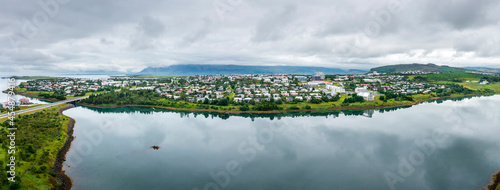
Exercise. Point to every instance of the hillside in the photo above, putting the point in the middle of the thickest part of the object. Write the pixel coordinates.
(240, 69)
(417, 67)
(484, 69)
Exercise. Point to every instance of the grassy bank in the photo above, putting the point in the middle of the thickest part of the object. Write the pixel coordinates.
(322, 107)
(39, 138)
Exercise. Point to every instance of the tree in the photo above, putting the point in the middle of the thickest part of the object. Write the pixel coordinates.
(244, 108)
(355, 98)
(223, 102)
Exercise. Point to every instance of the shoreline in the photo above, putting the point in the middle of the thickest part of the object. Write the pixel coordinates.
(233, 112)
(495, 182)
(66, 181)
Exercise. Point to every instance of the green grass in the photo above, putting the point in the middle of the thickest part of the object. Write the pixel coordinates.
(477, 86)
(36, 129)
(22, 108)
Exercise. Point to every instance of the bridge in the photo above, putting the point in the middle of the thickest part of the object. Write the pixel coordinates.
(43, 106)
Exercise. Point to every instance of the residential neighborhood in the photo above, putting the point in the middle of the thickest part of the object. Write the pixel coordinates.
(246, 88)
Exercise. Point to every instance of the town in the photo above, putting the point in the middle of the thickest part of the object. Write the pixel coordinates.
(240, 90)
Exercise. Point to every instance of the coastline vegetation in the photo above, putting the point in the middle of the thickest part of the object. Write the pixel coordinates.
(150, 98)
(39, 137)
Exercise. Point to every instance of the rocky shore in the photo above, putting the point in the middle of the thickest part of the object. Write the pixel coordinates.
(495, 182)
(65, 181)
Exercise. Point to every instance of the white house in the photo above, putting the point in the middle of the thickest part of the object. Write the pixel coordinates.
(336, 89)
(368, 96)
(360, 90)
(484, 83)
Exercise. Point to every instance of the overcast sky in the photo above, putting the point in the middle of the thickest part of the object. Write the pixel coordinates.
(129, 35)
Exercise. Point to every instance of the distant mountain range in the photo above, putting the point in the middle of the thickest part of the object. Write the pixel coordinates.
(430, 67)
(484, 69)
(190, 69)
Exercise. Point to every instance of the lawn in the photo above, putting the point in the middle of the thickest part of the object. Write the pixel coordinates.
(477, 86)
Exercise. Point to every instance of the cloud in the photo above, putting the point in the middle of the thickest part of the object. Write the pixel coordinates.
(460, 14)
(272, 27)
(146, 34)
(130, 35)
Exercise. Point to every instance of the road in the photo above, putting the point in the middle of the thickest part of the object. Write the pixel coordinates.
(43, 106)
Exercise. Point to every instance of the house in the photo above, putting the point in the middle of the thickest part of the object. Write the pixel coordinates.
(24, 101)
(318, 83)
(336, 89)
(362, 89)
(368, 96)
(484, 83)
(318, 76)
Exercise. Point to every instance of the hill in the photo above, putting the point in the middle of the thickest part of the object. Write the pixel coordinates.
(484, 69)
(240, 69)
(417, 67)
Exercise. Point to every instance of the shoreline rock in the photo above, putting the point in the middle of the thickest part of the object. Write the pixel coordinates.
(66, 181)
(495, 182)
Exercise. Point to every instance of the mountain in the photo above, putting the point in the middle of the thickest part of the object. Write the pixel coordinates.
(417, 67)
(484, 69)
(240, 69)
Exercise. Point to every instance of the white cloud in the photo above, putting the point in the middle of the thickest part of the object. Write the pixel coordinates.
(129, 35)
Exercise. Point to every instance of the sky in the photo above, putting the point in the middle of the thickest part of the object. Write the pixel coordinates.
(74, 36)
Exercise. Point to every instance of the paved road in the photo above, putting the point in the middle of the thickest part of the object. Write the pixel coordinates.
(43, 106)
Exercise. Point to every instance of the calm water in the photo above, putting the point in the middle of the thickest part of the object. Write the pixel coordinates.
(4, 84)
(445, 145)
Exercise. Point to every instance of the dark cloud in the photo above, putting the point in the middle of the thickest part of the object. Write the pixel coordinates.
(272, 26)
(146, 34)
(134, 34)
(460, 14)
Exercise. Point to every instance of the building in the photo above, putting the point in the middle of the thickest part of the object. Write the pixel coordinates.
(362, 89)
(365, 93)
(368, 96)
(318, 76)
(301, 78)
(336, 89)
(484, 83)
(318, 83)
(24, 101)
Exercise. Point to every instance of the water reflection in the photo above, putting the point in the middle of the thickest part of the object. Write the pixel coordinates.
(366, 113)
(340, 150)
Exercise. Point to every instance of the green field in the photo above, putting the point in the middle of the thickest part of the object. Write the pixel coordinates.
(477, 86)
(36, 130)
